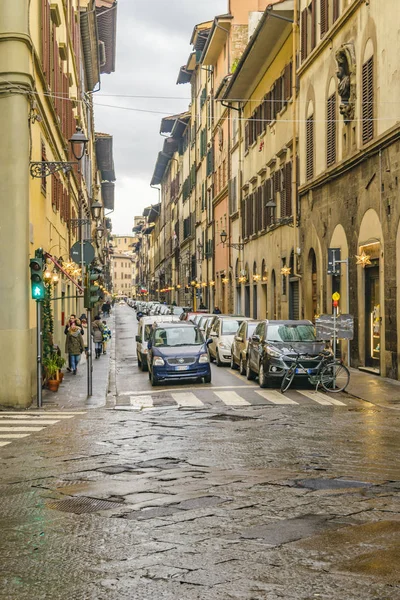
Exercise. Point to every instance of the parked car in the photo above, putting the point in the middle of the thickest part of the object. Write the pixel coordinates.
(143, 335)
(275, 344)
(239, 345)
(193, 316)
(222, 334)
(177, 351)
(203, 321)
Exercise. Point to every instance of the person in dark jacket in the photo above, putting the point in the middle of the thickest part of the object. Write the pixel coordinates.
(74, 346)
(71, 320)
(97, 334)
(216, 311)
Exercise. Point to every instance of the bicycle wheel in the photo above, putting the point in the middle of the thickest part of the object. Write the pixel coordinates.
(335, 377)
(287, 379)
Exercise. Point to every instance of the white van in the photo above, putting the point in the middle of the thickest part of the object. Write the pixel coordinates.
(143, 335)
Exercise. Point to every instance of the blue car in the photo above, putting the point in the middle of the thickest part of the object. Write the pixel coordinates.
(177, 351)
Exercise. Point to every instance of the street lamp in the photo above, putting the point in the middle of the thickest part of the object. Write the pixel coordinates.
(224, 236)
(95, 209)
(99, 232)
(78, 142)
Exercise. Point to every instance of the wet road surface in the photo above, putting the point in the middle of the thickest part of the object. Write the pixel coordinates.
(219, 494)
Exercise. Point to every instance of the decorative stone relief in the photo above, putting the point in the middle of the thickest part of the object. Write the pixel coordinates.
(346, 74)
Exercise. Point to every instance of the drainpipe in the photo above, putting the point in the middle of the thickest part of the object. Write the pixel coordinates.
(295, 134)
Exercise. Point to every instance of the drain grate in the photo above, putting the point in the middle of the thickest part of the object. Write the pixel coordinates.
(82, 505)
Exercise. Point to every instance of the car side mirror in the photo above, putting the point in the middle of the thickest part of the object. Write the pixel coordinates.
(138, 338)
(256, 338)
(209, 341)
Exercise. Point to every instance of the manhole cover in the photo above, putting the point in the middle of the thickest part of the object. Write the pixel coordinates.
(82, 505)
(330, 484)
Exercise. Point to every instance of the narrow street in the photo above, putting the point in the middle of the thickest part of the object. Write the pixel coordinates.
(200, 492)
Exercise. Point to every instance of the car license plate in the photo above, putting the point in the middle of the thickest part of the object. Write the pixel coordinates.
(300, 370)
(182, 368)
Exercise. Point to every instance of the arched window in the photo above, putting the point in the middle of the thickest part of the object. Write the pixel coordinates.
(331, 129)
(367, 94)
(310, 142)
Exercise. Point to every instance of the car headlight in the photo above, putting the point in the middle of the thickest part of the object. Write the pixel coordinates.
(204, 358)
(158, 361)
(274, 353)
(224, 346)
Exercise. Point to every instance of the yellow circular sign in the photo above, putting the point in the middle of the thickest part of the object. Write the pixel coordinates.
(336, 296)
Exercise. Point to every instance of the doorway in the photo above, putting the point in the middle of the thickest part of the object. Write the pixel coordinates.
(294, 298)
(247, 301)
(254, 302)
(373, 318)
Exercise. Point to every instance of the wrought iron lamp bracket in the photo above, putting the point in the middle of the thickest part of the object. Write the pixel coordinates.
(43, 169)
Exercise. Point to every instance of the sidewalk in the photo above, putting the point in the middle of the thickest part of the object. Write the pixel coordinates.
(72, 393)
(377, 390)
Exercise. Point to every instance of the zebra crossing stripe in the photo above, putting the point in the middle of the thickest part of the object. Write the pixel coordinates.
(34, 417)
(140, 402)
(13, 436)
(275, 397)
(187, 399)
(232, 399)
(8, 429)
(27, 421)
(4, 443)
(321, 398)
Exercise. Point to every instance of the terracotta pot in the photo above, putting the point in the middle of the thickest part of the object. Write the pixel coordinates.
(53, 385)
(60, 376)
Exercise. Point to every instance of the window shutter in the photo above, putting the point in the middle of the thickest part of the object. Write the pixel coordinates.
(324, 17)
(243, 217)
(46, 41)
(313, 24)
(268, 108)
(288, 189)
(368, 100)
(288, 82)
(304, 34)
(310, 147)
(331, 131)
(336, 10)
(246, 136)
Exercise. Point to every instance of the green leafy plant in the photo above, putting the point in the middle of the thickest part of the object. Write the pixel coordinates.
(50, 364)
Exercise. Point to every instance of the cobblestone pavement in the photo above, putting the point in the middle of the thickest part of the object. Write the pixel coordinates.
(214, 501)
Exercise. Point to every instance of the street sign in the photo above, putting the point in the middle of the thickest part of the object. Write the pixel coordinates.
(88, 253)
(336, 297)
(333, 261)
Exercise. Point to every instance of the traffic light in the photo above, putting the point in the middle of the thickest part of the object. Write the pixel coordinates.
(92, 291)
(37, 283)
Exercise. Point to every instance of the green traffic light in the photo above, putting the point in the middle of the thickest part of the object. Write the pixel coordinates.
(38, 291)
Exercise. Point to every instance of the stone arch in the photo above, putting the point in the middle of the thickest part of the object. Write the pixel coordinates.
(274, 303)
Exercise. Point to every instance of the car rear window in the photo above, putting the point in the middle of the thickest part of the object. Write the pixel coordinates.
(250, 329)
(230, 327)
(290, 333)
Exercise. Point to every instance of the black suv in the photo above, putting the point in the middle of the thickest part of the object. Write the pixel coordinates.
(275, 344)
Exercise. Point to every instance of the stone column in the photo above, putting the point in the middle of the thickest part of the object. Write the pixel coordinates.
(15, 67)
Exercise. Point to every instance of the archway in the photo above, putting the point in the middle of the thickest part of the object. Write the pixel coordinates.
(238, 299)
(247, 293)
(264, 291)
(274, 313)
(294, 292)
(255, 289)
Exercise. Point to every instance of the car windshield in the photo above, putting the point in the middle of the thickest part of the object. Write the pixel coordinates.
(291, 333)
(176, 310)
(230, 327)
(178, 336)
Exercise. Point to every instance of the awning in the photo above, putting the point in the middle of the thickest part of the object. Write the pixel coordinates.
(107, 27)
(216, 39)
(104, 155)
(154, 213)
(275, 26)
(108, 194)
(90, 48)
(184, 75)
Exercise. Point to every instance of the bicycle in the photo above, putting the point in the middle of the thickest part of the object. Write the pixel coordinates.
(331, 374)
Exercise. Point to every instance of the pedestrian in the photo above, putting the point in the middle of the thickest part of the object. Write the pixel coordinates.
(85, 335)
(106, 336)
(97, 334)
(216, 311)
(74, 345)
(71, 320)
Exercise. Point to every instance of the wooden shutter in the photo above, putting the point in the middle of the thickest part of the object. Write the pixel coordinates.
(46, 41)
(54, 191)
(268, 107)
(288, 189)
(287, 78)
(324, 8)
(313, 24)
(243, 217)
(246, 136)
(282, 177)
(336, 10)
(310, 147)
(368, 100)
(331, 131)
(304, 34)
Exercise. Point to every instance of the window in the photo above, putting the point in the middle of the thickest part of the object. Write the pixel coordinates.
(329, 13)
(233, 196)
(308, 29)
(331, 131)
(286, 190)
(367, 102)
(310, 147)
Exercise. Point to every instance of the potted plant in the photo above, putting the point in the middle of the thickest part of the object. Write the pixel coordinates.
(60, 363)
(51, 368)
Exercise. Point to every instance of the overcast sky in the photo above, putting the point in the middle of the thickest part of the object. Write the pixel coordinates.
(152, 44)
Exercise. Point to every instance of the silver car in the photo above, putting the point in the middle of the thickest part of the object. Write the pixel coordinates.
(222, 334)
(143, 335)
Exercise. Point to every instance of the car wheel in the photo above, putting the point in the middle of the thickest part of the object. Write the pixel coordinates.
(144, 365)
(262, 378)
(242, 366)
(211, 357)
(154, 380)
(139, 361)
(233, 364)
(207, 378)
(219, 362)
(249, 373)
